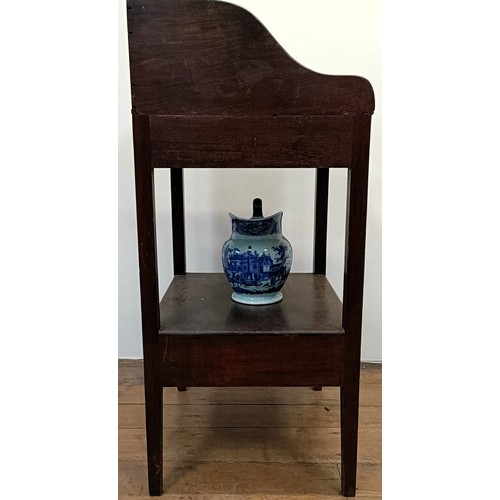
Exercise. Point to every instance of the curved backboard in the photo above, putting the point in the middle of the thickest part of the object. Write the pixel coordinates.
(205, 57)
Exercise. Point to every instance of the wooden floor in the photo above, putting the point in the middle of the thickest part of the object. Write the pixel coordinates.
(255, 443)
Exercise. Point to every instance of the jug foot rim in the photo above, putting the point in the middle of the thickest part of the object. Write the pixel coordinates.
(257, 300)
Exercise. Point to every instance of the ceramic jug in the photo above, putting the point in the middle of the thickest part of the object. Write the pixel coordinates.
(257, 258)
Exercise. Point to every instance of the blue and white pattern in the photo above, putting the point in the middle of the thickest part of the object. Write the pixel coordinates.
(257, 259)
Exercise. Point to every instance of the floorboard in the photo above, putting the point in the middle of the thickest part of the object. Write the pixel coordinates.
(253, 443)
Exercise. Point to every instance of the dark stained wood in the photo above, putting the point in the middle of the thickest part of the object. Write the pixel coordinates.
(251, 141)
(146, 231)
(131, 391)
(212, 88)
(357, 194)
(205, 57)
(144, 183)
(252, 360)
(200, 304)
(272, 426)
(178, 233)
(321, 221)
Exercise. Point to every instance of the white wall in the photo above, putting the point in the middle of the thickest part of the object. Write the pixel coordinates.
(328, 36)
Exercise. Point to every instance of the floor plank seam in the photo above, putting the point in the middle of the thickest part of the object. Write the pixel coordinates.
(239, 462)
(317, 405)
(214, 447)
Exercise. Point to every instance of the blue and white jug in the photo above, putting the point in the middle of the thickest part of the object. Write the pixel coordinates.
(257, 258)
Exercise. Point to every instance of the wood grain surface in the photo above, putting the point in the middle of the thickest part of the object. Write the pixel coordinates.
(204, 57)
(200, 303)
(212, 88)
(215, 141)
(246, 360)
(229, 443)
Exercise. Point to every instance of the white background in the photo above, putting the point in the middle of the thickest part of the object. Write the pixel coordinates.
(335, 37)
(58, 211)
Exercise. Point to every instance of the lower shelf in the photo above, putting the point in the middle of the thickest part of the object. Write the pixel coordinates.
(200, 303)
(207, 340)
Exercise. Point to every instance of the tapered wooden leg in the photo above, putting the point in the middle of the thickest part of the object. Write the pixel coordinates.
(154, 437)
(349, 411)
(357, 189)
(148, 274)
